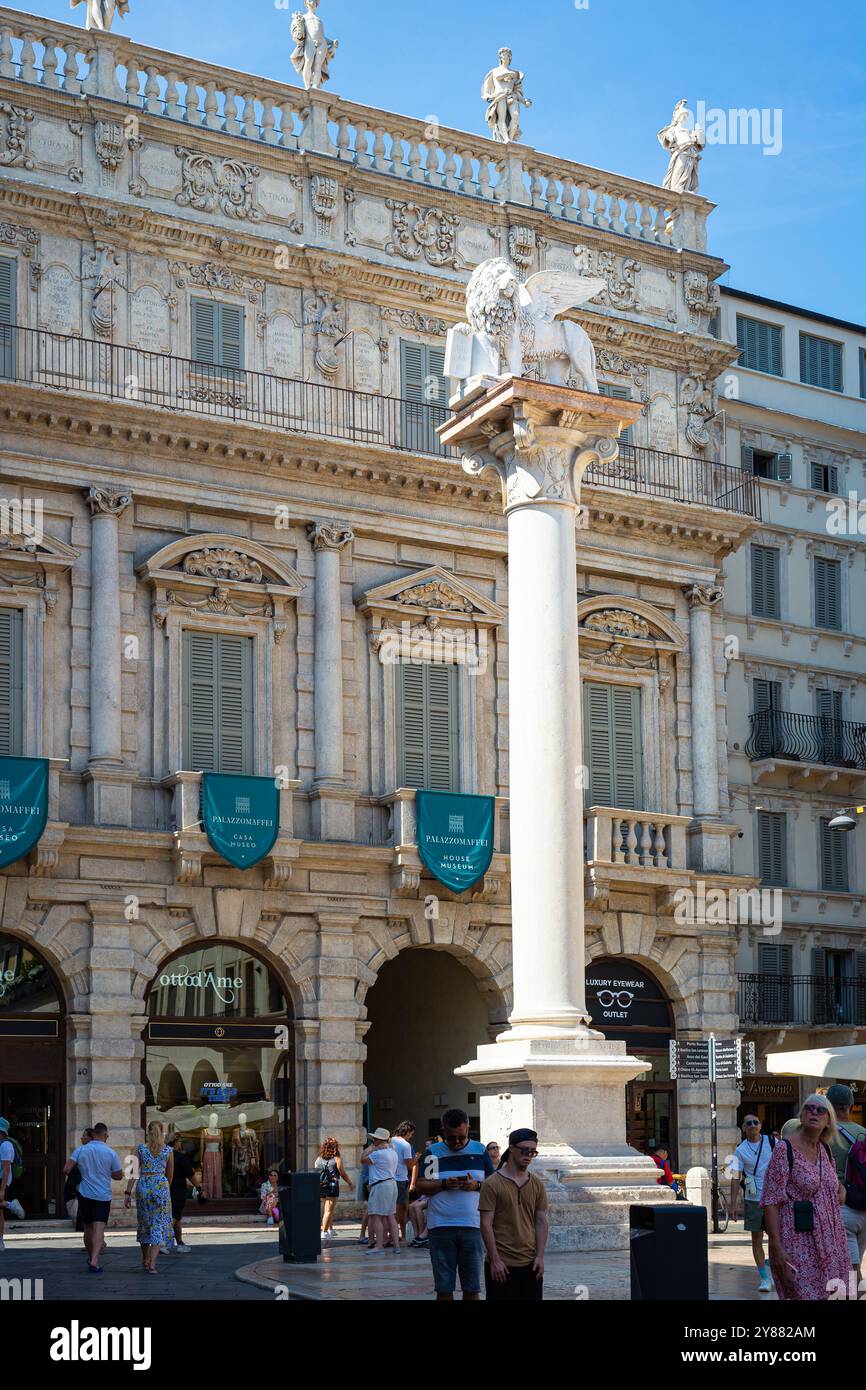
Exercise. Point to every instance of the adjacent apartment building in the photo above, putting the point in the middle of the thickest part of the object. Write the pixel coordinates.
(796, 415)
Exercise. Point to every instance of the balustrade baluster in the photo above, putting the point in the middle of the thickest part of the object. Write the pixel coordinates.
(631, 841)
(646, 845)
(49, 63)
(616, 224)
(71, 80)
(568, 198)
(398, 167)
(7, 67)
(193, 114)
(131, 85)
(600, 213)
(172, 103)
(485, 186)
(28, 58)
(449, 168)
(631, 223)
(584, 213)
(249, 129)
(344, 138)
(231, 124)
(379, 161)
(431, 163)
(661, 857)
(416, 173)
(269, 122)
(211, 117)
(152, 102)
(362, 140)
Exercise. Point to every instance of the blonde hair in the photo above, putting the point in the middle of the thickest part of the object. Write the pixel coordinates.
(156, 1137)
(830, 1132)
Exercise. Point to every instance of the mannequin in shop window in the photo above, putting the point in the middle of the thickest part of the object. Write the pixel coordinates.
(245, 1154)
(212, 1158)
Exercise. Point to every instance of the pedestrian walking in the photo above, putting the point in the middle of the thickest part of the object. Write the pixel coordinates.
(152, 1195)
(801, 1197)
(71, 1185)
(99, 1166)
(514, 1224)
(495, 1153)
(401, 1142)
(270, 1198)
(853, 1218)
(749, 1163)
(380, 1157)
(329, 1166)
(10, 1158)
(451, 1175)
(179, 1187)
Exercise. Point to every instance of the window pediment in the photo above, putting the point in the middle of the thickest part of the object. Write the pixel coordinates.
(608, 621)
(220, 574)
(31, 559)
(433, 594)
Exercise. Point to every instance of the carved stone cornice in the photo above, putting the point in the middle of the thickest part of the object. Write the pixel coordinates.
(104, 501)
(329, 535)
(219, 562)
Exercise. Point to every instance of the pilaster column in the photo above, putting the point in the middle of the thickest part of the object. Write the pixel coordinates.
(340, 1052)
(332, 811)
(105, 636)
(702, 599)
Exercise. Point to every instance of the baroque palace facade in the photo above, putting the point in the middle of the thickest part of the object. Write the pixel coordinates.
(243, 549)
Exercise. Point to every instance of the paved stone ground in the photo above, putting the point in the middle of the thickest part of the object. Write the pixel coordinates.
(241, 1263)
(207, 1274)
(345, 1272)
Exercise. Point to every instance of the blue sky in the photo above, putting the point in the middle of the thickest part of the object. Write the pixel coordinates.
(604, 78)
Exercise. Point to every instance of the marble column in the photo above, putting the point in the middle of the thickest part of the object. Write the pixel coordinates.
(550, 1070)
(332, 810)
(108, 781)
(705, 754)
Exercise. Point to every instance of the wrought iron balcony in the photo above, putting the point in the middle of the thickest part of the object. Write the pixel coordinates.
(813, 1000)
(807, 738)
(55, 362)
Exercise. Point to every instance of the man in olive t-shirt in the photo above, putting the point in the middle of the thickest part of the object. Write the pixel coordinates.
(842, 1098)
(514, 1225)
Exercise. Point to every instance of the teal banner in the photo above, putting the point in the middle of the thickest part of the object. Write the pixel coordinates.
(240, 815)
(455, 836)
(23, 806)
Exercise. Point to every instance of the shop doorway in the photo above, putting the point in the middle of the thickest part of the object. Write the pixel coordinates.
(651, 1116)
(427, 1016)
(219, 1069)
(32, 1074)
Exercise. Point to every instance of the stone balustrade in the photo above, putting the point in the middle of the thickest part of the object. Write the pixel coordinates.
(59, 56)
(646, 839)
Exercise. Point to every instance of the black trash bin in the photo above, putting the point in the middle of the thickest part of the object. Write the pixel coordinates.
(668, 1247)
(300, 1217)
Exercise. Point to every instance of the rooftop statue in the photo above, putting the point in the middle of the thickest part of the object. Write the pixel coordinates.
(313, 51)
(503, 92)
(684, 142)
(100, 13)
(513, 328)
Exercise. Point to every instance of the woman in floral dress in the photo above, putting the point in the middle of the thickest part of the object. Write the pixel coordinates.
(806, 1264)
(152, 1197)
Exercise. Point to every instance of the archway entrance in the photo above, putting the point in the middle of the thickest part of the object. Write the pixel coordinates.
(427, 1017)
(32, 1074)
(219, 1056)
(628, 1004)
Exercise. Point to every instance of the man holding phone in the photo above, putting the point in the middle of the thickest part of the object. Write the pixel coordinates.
(450, 1175)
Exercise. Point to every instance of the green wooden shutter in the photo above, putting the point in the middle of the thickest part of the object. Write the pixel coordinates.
(772, 857)
(828, 593)
(747, 458)
(834, 857)
(828, 704)
(612, 745)
(760, 345)
(766, 695)
(422, 368)
(235, 706)
(204, 331)
(11, 683)
(7, 315)
(427, 726)
(619, 393)
(231, 337)
(766, 588)
(774, 988)
(218, 703)
(436, 375)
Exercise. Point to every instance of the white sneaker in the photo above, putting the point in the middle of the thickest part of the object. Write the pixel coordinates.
(270, 1221)
(326, 1235)
(15, 1208)
(183, 1249)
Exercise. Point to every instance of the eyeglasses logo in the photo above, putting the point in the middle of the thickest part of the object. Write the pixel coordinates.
(622, 997)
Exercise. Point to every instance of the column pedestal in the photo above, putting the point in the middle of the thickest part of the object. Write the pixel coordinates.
(551, 1071)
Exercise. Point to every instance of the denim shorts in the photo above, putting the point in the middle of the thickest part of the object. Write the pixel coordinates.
(456, 1250)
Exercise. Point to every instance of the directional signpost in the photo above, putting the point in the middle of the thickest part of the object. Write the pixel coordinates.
(711, 1059)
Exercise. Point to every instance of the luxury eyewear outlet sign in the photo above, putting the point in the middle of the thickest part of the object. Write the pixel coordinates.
(455, 836)
(241, 816)
(23, 806)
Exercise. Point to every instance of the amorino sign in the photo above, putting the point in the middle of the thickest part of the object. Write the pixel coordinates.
(23, 806)
(240, 816)
(455, 836)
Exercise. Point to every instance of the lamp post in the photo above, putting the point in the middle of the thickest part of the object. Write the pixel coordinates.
(844, 820)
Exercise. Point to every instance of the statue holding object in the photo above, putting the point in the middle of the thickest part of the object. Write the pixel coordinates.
(503, 92)
(100, 13)
(313, 51)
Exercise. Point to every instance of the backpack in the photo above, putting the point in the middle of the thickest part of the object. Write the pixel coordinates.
(18, 1160)
(855, 1172)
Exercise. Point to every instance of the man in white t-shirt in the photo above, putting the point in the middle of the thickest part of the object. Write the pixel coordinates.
(751, 1158)
(8, 1159)
(401, 1143)
(98, 1165)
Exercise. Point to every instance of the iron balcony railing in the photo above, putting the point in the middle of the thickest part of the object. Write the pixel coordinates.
(807, 738)
(803, 999)
(36, 357)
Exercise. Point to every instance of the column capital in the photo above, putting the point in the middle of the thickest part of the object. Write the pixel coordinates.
(104, 501)
(703, 595)
(329, 535)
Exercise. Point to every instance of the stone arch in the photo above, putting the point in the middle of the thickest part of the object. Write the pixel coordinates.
(484, 950)
(665, 959)
(60, 935)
